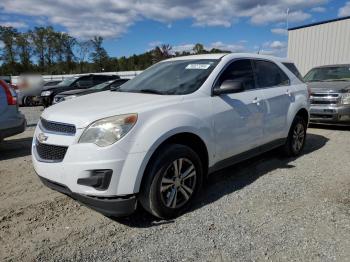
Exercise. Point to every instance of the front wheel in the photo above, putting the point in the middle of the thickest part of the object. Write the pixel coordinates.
(172, 181)
(296, 137)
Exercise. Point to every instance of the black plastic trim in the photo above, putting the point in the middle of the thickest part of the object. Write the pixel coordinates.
(246, 155)
(110, 206)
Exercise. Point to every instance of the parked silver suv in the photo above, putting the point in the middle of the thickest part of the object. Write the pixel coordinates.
(330, 94)
(12, 122)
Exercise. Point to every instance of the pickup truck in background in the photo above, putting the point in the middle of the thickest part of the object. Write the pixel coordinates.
(330, 94)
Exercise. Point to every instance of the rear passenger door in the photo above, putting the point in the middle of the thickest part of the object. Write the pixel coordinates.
(237, 117)
(278, 94)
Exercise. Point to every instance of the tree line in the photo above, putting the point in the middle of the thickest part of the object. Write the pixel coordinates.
(46, 51)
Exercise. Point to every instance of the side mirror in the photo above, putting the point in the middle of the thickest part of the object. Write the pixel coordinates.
(228, 87)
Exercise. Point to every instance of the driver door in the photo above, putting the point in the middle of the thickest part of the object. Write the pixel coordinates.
(238, 117)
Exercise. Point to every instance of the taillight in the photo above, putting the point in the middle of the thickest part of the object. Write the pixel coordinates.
(10, 93)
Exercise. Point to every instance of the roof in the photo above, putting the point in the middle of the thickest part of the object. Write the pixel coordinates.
(202, 56)
(229, 56)
(320, 23)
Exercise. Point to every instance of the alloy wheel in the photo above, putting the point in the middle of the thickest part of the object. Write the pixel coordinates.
(178, 183)
(298, 137)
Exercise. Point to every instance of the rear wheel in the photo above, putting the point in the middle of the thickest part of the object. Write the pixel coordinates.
(173, 180)
(296, 137)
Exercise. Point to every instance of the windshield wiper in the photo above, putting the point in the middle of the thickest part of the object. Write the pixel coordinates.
(151, 91)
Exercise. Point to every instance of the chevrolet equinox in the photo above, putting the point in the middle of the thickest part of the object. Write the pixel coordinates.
(154, 140)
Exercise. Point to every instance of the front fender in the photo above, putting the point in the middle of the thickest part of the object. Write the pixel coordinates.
(151, 134)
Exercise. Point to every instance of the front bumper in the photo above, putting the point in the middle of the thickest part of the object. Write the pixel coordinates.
(337, 115)
(110, 206)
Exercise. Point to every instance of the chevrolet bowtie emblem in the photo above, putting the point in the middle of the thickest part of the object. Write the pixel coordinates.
(42, 138)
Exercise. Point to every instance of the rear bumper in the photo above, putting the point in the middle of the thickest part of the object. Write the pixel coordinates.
(110, 206)
(330, 115)
(14, 130)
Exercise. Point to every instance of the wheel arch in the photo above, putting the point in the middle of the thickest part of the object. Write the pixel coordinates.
(303, 113)
(190, 139)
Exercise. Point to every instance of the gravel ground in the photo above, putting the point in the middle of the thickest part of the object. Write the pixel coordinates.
(268, 208)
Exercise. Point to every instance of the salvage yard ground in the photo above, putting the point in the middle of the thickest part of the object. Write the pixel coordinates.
(267, 208)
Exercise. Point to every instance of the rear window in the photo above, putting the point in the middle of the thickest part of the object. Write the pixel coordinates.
(294, 70)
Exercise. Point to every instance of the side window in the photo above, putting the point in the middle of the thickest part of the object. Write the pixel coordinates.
(240, 70)
(294, 70)
(84, 82)
(100, 79)
(269, 74)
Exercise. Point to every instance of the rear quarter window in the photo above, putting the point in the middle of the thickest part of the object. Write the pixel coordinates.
(294, 70)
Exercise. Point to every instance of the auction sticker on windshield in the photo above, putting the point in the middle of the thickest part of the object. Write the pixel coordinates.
(198, 66)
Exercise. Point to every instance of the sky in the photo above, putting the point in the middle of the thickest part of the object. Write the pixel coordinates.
(135, 26)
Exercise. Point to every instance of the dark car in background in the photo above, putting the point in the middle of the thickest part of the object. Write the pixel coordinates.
(112, 84)
(31, 96)
(73, 83)
(330, 94)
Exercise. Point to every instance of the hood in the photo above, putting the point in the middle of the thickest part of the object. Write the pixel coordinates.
(336, 86)
(84, 110)
(72, 92)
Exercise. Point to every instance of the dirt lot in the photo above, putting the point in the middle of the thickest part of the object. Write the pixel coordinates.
(267, 208)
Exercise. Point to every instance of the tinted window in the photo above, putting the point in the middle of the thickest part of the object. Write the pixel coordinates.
(294, 70)
(269, 74)
(84, 82)
(240, 70)
(103, 78)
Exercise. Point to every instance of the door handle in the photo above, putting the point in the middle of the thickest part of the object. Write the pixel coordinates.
(288, 93)
(256, 101)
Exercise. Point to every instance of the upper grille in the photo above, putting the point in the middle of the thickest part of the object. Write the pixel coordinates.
(57, 127)
(50, 152)
(325, 98)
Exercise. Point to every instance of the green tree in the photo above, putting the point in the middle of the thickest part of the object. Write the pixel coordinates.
(99, 56)
(8, 54)
(24, 51)
(38, 36)
(198, 49)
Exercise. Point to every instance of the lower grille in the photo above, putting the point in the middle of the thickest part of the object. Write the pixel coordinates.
(321, 116)
(50, 153)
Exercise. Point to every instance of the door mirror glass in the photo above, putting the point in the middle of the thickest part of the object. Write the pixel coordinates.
(229, 87)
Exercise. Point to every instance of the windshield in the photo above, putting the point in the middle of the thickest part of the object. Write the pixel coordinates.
(67, 81)
(101, 86)
(171, 77)
(323, 74)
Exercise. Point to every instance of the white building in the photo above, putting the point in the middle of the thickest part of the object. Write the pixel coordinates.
(318, 44)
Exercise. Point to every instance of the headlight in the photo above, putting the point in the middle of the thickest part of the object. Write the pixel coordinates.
(69, 97)
(345, 99)
(108, 130)
(46, 93)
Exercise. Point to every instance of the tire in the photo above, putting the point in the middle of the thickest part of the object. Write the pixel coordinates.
(296, 138)
(25, 101)
(166, 193)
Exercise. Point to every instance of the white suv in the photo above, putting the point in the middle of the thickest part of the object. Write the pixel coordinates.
(155, 139)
